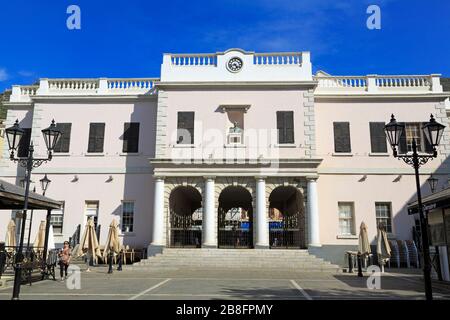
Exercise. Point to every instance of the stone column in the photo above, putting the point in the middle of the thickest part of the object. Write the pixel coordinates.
(313, 213)
(158, 218)
(209, 239)
(262, 224)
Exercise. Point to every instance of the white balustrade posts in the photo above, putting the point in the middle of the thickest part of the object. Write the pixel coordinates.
(15, 94)
(262, 224)
(313, 213)
(43, 87)
(158, 218)
(209, 239)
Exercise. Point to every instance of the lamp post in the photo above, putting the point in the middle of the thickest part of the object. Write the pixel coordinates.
(433, 132)
(432, 181)
(13, 135)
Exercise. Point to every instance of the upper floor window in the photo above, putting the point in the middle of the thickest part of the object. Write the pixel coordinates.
(185, 128)
(378, 137)
(413, 130)
(63, 143)
(127, 216)
(342, 137)
(383, 215)
(285, 126)
(24, 143)
(57, 219)
(96, 137)
(131, 137)
(91, 211)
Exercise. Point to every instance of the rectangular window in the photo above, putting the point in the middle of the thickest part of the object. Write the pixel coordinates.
(346, 218)
(377, 137)
(383, 215)
(285, 126)
(185, 128)
(131, 137)
(57, 219)
(96, 137)
(342, 137)
(127, 216)
(413, 130)
(24, 143)
(63, 143)
(91, 210)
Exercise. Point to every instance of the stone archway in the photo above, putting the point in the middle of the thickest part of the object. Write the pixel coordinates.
(286, 218)
(235, 218)
(185, 217)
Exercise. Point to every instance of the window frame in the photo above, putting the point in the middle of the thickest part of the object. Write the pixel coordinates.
(283, 138)
(191, 131)
(352, 218)
(373, 143)
(96, 138)
(53, 214)
(64, 137)
(349, 150)
(122, 217)
(127, 136)
(389, 226)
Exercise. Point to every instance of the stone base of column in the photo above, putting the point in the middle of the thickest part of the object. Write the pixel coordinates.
(209, 246)
(153, 249)
(258, 246)
(315, 245)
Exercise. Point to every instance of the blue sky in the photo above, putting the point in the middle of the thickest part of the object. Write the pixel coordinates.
(127, 38)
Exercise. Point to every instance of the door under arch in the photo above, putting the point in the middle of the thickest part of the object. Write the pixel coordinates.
(286, 218)
(185, 204)
(235, 218)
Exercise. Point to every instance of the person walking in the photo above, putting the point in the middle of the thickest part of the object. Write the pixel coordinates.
(64, 261)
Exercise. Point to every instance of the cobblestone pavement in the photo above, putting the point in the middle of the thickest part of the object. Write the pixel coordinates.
(229, 284)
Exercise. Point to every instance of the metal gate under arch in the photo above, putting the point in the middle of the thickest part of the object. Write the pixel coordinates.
(286, 233)
(185, 231)
(235, 229)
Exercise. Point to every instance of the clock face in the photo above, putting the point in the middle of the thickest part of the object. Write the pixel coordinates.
(235, 64)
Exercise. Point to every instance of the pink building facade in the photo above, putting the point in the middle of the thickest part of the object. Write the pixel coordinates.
(234, 149)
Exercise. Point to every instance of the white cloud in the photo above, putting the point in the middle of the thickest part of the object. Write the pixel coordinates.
(25, 73)
(3, 75)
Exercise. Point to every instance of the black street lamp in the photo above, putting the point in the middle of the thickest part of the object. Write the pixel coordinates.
(13, 135)
(432, 181)
(433, 132)
(45, 181)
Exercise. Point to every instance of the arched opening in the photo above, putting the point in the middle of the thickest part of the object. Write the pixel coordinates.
(286, 218)
(235, 218)
(185, 205)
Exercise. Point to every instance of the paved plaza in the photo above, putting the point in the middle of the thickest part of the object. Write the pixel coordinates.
(216, 284)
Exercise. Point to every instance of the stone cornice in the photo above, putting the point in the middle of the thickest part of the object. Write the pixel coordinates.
(68, 98)
(386, 97)
(237, 84)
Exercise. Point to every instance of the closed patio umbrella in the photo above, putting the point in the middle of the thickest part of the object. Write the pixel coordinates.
(112, 242)
(383, 247)
(89, 243)
(39, 242)
(51, 239)
(10, 240)
(363, 243)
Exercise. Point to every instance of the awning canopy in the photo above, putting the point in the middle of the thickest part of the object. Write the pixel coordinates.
(436, 200)
(12, 197)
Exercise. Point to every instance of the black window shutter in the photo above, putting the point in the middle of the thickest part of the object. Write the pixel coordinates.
(24, 143)
(402, 146)
(426, 143)
(131, 137)
(185, 127)
(285, 126)
(63, 144)
(378, 137)
(96, 137)
(342, 137)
